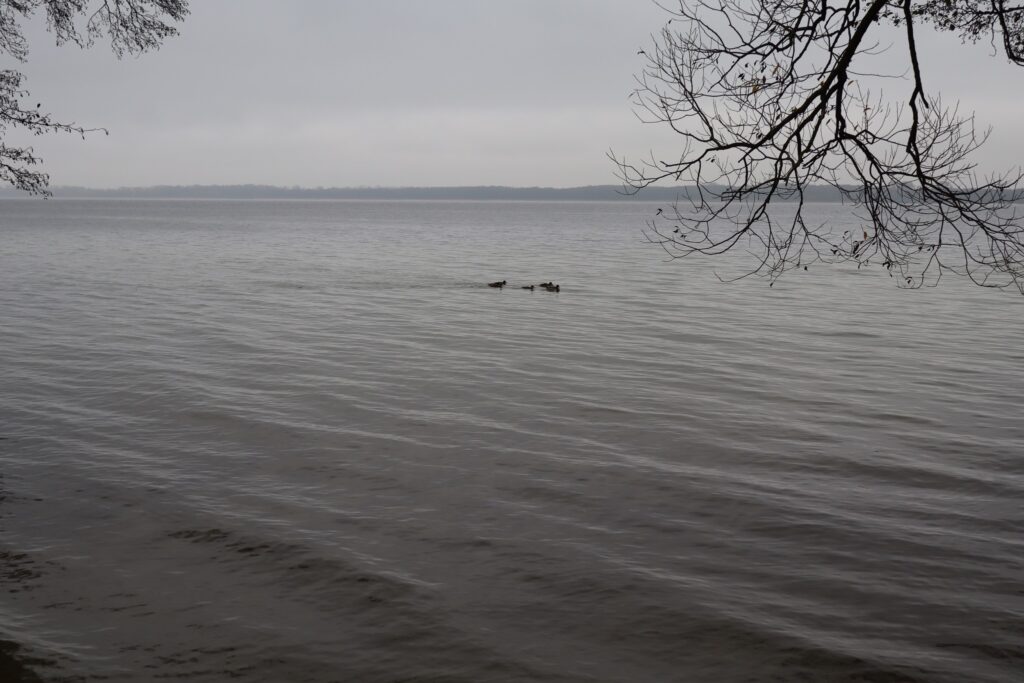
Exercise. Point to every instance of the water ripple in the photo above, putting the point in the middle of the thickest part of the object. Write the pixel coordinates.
(268, 441)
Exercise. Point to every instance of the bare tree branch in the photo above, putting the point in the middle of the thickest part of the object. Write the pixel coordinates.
(131, 26)
(771, 98)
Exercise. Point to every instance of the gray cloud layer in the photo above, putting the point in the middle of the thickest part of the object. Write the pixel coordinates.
(397, 92)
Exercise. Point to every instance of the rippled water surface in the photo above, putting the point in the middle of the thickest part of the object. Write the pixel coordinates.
(302, 441)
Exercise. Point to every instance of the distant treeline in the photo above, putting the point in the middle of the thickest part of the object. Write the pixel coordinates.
(590, 193)
(483, 193)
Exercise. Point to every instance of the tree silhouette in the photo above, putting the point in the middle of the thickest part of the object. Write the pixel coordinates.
(773, 97)
(131, 26)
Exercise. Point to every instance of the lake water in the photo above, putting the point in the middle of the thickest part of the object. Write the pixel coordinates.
(303, 441)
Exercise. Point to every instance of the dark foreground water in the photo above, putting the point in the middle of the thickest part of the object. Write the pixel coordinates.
(293, 442)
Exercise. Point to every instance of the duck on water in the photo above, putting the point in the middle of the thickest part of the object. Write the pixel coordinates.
(549, 286)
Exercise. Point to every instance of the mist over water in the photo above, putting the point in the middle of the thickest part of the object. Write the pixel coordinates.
(304, 441)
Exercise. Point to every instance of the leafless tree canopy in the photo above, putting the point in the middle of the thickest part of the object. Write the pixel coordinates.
(131, 26)
(773, 97)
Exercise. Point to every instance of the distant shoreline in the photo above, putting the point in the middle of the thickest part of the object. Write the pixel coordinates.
(612, 193)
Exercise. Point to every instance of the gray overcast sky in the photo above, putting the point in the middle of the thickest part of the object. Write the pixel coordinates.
(398, 92)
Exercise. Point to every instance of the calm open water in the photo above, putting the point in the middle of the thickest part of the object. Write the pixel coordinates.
(301, 441)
